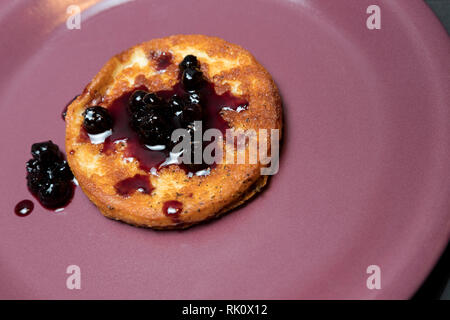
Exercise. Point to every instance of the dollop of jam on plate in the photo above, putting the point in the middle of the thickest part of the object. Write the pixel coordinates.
(49, 177)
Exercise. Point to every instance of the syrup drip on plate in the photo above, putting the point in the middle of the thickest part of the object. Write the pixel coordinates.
(24, 208)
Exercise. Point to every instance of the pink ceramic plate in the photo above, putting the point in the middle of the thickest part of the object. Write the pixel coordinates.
(364, 176)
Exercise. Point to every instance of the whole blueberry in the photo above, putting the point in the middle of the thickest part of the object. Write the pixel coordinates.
(33, 166)
(192, 79)
(151, 127)
(191, 113)
(63, 171)
(97, 120)
(144, 118)
(176, 107)
(176, 103)
(46, 152)
(194, 98)
(157, 135)
(136, 100)
(152, 99)
(35, 181)
(156, 104)
(54, 194)
(59, 171)
(189, 61)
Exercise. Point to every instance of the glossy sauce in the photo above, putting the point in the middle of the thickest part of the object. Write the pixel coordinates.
(163, 60)
(140, 183)
(212, 104)
(172, 208)
(24, 208)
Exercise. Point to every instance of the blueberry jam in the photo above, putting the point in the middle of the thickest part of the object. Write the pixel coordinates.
(144, 121)
(190, 61)
(123, 133)
(140, 183)
(96, 120)
(24, 208)
(49, 177)
(163, 60)
(172, 208)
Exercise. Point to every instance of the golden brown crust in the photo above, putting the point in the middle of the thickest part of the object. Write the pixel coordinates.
(229, 67)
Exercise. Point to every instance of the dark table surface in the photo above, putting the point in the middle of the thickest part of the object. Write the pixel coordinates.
(437, 285)
(442, 10)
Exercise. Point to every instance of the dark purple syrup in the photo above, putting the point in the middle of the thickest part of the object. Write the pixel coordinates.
(122, 131)
(139, 183)
(24, 208)
(212, 104)
(163, 60)
(172, 208)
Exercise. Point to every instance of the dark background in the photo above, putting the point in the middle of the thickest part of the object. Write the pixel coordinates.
(437, 285)
(442, 10)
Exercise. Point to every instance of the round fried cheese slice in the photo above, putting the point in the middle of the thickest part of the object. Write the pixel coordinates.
(170, 197)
